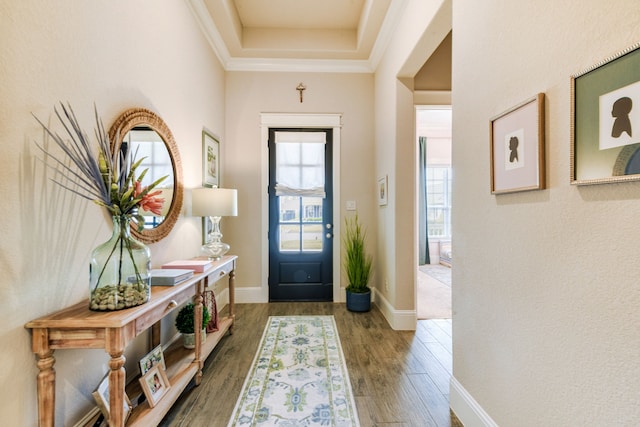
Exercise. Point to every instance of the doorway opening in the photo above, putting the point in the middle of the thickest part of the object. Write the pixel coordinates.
(433, 136)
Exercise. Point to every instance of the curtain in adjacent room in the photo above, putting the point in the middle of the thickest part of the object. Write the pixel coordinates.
(423, 230)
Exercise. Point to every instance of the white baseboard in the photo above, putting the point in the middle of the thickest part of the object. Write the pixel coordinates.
(254, 295)
(260, 294)
(468, 411)
(400, 320)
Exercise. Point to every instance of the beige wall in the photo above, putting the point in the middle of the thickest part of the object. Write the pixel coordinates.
(248, 94)
(118, 54)
(545, 283)
(422, 28)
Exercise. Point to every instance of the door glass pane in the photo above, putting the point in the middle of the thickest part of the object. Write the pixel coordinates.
(296, 214)
(300, 166)
(289, 238)
(312, 238)
(289, 209)
(312, 209)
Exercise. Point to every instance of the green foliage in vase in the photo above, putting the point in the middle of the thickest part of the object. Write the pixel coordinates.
(186, 316)
(357, 263)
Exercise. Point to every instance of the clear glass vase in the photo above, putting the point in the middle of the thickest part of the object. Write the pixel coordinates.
(120, 270)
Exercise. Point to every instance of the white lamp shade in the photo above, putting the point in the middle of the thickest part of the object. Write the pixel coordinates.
(214, 202)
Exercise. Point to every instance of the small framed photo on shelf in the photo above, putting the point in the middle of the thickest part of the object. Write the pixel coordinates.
(154, 358)
(517, 148)
(383, 191)
(101, 396)
(605, 120)
(154, 384)
(210, 159)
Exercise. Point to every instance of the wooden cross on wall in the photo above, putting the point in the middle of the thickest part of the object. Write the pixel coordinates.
(301, 88)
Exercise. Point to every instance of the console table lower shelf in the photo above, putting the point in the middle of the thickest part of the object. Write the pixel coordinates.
(181, 369)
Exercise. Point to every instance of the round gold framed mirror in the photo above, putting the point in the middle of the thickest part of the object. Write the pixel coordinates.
(146, 134)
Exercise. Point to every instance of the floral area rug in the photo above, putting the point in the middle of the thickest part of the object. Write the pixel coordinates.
(298, 377)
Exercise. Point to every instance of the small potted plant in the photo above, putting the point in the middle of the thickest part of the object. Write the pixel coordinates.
(185, 324)
(357, 265)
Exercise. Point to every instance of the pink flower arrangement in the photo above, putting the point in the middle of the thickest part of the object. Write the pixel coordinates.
(149, 202)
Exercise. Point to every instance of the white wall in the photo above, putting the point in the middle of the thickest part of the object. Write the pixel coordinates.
(116, 54)
(545, 283)
(251, 93)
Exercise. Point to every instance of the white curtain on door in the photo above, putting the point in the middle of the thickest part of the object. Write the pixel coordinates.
(300, 164)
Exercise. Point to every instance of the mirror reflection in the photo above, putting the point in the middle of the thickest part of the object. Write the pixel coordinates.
(146, 144)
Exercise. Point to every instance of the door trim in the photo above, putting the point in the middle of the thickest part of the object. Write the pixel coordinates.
(293, 120)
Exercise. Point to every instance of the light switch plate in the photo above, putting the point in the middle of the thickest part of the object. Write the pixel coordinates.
(351, 205)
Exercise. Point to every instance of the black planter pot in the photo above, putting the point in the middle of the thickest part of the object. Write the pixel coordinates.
(359, 302)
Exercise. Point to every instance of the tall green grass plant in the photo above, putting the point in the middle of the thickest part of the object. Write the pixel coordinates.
(357, 263)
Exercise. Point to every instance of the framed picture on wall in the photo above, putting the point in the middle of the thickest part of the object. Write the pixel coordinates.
(383, 191)
(605, 120)
(517, 148)
(210, 159)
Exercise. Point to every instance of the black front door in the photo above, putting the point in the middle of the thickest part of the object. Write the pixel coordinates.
(300, 215)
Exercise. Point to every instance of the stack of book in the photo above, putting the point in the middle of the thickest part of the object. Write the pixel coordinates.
(169, 276)
(197, 265)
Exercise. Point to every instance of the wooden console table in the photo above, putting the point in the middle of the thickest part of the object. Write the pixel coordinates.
(78, 327)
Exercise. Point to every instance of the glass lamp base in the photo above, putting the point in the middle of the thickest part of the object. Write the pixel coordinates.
(215, 250)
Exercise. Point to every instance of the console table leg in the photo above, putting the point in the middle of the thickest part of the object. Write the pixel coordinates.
(46, 389)
(232, 299)
(116, 390)
(46, 379)
(198, 309)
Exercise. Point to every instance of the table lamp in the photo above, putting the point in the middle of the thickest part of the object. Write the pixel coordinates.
(214, 203)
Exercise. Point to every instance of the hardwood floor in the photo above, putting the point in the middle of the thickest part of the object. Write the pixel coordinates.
(399, 378)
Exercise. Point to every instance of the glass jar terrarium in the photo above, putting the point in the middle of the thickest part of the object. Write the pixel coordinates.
(120, 270)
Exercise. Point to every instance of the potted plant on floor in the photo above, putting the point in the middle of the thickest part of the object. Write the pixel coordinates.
(185, 324)
(357, 265)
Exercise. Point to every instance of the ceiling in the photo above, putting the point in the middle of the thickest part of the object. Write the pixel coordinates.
(311, 35)
(298, 35)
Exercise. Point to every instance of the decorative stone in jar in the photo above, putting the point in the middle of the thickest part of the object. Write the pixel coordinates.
(120, 270)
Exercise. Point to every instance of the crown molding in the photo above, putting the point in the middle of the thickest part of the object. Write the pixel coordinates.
(229, 63)
(299, 65)
(391, 21)
(211, 33)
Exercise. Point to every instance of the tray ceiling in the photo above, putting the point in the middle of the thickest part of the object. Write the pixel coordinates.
(291, 35)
